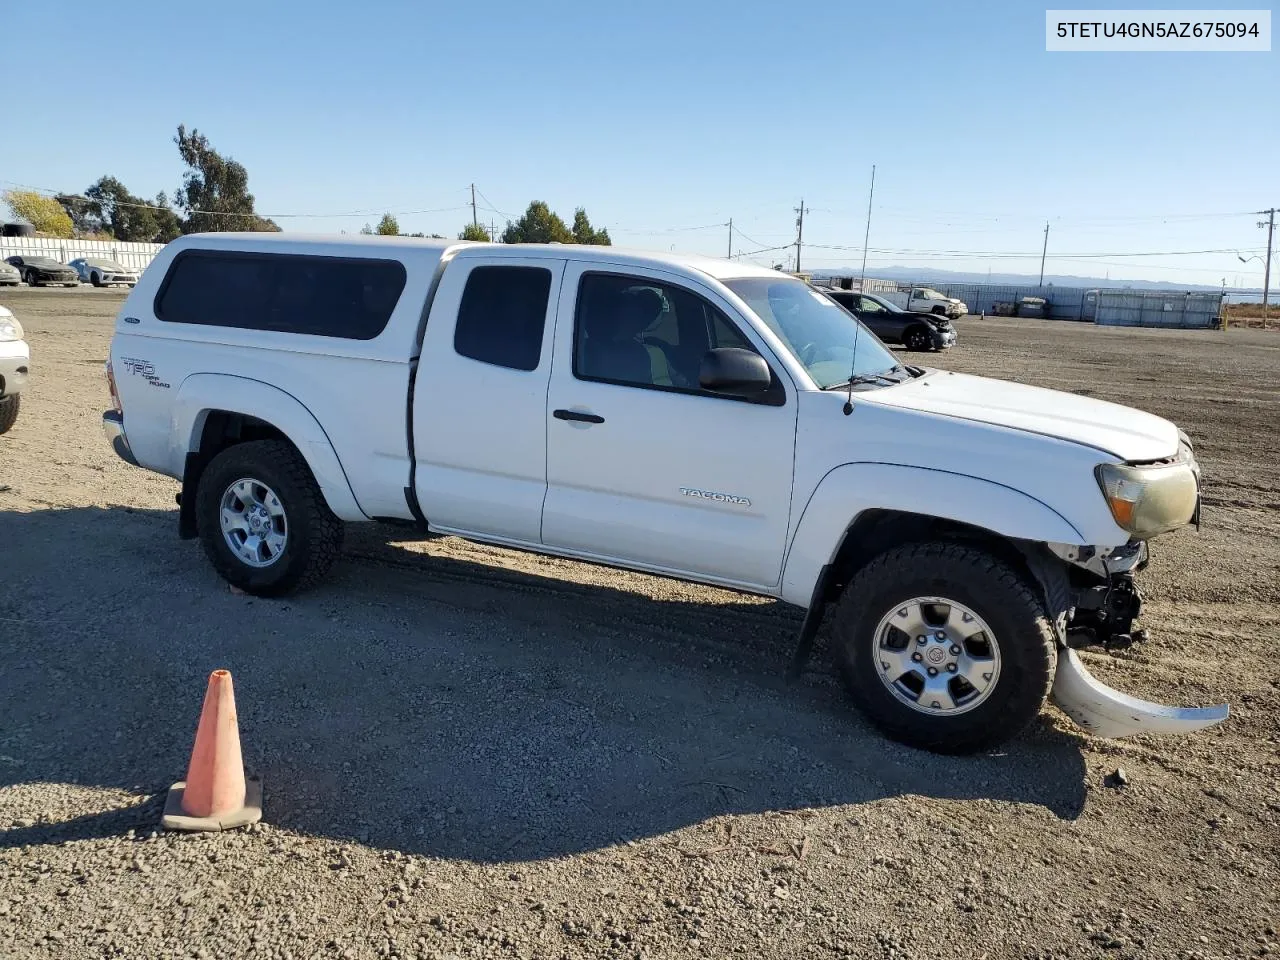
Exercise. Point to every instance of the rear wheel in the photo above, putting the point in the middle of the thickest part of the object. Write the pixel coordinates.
(9, 411)
(944, 647)
(263, 520)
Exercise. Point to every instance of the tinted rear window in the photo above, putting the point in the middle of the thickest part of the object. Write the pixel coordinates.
(321, 296)
(502, 315)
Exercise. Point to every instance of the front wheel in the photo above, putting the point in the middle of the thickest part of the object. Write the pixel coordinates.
(944, 646)
(9, 411)
(263, 520)
(95, 279)
(917, 339)
(31, 280)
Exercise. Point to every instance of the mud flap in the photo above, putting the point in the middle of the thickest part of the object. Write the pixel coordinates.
(1105, 712)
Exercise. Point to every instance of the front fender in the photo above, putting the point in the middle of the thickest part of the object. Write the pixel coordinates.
(202, 393)
(849, 490)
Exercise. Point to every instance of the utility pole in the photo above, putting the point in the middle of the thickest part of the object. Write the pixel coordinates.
(799, 231)
(1266, 274)
(474, 221)
(731, 238)
(493, 233)
(1044, 251)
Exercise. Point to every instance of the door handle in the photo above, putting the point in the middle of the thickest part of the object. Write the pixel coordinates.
(577, 416)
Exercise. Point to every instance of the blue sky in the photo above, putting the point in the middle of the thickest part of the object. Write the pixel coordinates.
(663, 116)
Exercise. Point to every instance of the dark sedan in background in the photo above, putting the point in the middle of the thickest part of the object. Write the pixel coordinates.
(892, 324)
(38, 271)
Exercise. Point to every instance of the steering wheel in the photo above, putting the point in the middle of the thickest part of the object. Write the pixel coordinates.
(808, 353)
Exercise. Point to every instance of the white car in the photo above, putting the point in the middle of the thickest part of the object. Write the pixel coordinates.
(103, 273)
(690, 417)
(15, 359)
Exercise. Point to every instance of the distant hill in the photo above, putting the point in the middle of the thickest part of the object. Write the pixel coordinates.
(925, 275)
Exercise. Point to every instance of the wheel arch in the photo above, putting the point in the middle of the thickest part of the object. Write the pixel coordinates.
(217, 411)
(860, 510)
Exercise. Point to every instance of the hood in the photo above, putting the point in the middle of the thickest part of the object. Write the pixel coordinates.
(1121, 431)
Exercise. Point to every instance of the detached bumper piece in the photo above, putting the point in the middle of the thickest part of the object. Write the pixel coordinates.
(1105, 712)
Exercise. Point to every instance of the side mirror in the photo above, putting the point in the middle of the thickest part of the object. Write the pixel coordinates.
(734, 372)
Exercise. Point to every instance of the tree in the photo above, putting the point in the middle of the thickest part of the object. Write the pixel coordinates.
(215, 189)
(583, 232)
(45, 214)
(168, 223)
(123, 215)
(86, 216)
(473, 231)
(388, 226)
(538, 225)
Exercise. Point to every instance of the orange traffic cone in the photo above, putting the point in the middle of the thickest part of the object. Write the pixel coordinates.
(215, 795)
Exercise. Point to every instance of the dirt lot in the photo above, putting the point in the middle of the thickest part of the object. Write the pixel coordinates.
(472, 752)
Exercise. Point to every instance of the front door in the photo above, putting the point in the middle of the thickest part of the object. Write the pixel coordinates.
(644, 467)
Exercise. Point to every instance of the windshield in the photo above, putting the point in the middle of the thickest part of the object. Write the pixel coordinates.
(930, 294)
(819, 332)
(41, 261)
(107, 265)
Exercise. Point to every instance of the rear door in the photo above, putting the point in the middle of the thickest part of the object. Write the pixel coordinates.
(480, 396)
(643, 467)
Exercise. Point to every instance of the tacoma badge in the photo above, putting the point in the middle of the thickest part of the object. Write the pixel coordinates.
(718, 497)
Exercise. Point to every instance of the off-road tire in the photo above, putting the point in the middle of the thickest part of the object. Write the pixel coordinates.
(9, 411)
(1009, 603)
(314, 533)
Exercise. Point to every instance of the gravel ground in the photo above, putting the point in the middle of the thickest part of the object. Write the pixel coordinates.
(470, 752)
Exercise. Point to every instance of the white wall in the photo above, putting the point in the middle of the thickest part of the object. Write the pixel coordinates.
(133, 255)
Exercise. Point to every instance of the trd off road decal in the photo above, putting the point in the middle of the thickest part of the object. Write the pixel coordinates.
(145, 369)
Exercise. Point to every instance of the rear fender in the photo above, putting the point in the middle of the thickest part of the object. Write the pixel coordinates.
(849, 490)
(202, 393)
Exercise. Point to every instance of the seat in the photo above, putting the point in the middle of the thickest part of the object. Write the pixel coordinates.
(612, 350)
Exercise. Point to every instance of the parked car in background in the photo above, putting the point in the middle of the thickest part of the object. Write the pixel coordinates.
(9, 275)
(15, 357)
(892, 324)
(39, 271)
(927, 300)
(101, 272)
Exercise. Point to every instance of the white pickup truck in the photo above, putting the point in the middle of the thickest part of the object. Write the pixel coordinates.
(15, 359)
(927, 300)
(690, 417)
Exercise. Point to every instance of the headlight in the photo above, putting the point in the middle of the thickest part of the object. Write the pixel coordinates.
(10, 329)
(1152, 499)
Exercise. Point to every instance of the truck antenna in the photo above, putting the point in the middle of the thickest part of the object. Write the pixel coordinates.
(862, 282)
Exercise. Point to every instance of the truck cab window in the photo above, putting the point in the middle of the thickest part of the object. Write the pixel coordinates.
(644, 333)
(502, 316)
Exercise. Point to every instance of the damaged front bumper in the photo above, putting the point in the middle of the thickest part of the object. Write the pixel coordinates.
(1105, 609)
(1105, 712)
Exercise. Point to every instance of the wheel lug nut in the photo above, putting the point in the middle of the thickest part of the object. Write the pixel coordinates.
(922, 639)
(955, 651)
(940, 635)
(951, 668)
(933, 672)
(916, 657)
